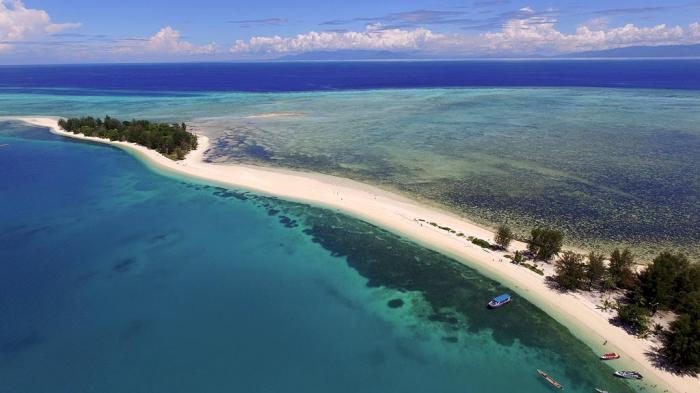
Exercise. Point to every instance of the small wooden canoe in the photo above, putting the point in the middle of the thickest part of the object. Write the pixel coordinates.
(550, 379)
(610, 356)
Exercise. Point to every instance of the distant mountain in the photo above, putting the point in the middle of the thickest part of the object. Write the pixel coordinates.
(627, 52)
(350, 55)
(642, 51)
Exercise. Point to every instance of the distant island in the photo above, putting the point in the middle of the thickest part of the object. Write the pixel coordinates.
(639, 51)
(660, 51)
(170, 140)
(347, 55)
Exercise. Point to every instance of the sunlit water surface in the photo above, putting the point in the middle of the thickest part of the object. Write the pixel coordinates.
(611, 167)
(114, 278)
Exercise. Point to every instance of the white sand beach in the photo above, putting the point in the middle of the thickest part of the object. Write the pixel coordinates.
(404, 217)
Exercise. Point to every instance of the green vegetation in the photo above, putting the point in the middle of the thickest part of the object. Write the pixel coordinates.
(518, 257)
(533, 268)
(621, 274)
(668, 280)
(504, 235)
(670, 283)
(595, 270)
(481, 242)
(635, 317)
(571, 271)
(545, 243)
(682, 347)
(171, 140)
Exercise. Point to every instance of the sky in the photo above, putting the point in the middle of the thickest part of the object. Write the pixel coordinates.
(94, 31)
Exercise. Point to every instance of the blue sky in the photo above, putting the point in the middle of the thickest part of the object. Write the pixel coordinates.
(40, 31)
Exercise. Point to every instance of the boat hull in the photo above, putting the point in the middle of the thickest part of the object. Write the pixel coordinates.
(493, 304)
(628, 374)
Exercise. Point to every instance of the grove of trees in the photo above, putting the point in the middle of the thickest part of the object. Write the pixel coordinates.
(171, 140)
(670, 283)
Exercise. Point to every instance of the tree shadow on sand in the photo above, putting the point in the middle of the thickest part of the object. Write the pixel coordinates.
(657, 358)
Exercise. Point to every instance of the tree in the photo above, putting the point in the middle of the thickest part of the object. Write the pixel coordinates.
(620, 269)
(545, 242)
(682, 346)
(518, 257)
(659, 282)
(690, 304)
(688, 281)
(171, 140)
(635, 316)
(571, 270)
(595, 270)
(504, 235)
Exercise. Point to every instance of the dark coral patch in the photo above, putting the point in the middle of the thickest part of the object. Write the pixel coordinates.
(124, 265)
(21, 344)
(288, 222)
(395, 303)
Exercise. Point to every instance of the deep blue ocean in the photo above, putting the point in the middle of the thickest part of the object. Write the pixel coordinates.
(313, 76)
(117, 278)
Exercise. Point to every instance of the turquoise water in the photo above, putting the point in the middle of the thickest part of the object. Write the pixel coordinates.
(611, 167)
(116, 279)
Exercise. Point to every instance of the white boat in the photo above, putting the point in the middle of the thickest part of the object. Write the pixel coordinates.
(499, 300)
(628, 374)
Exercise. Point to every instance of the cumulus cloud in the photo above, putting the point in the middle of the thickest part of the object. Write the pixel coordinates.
(539, 34)
(19, 23)
(528, 32)
(166, 40)
(169, 40)
(374, 37)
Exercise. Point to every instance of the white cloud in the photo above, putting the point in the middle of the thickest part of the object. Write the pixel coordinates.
(600, 23)
(166, 40)
(539, 35)
(169, 40)
(374, 37)
(530, 33)
(58, 27)
(19, 23)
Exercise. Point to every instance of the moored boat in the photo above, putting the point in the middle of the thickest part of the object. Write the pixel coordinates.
(601, 390)
(550, 379)
(628, 374)
(499, 300)
(610, 356)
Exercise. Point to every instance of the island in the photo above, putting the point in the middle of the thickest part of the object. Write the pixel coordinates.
(170, 140)
(647, 313)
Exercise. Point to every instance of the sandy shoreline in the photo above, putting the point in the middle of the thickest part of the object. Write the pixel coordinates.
(401, 215)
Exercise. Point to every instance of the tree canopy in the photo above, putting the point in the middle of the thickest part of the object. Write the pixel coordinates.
(662, 283)
(504, 235)
(545, 242)
(620, 269)
(171, 140)
(635, 316)
(682, 348)
(571, 271)
(595, 270)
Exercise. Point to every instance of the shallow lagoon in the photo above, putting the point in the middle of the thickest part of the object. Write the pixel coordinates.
(609, 166)
(118, 279)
